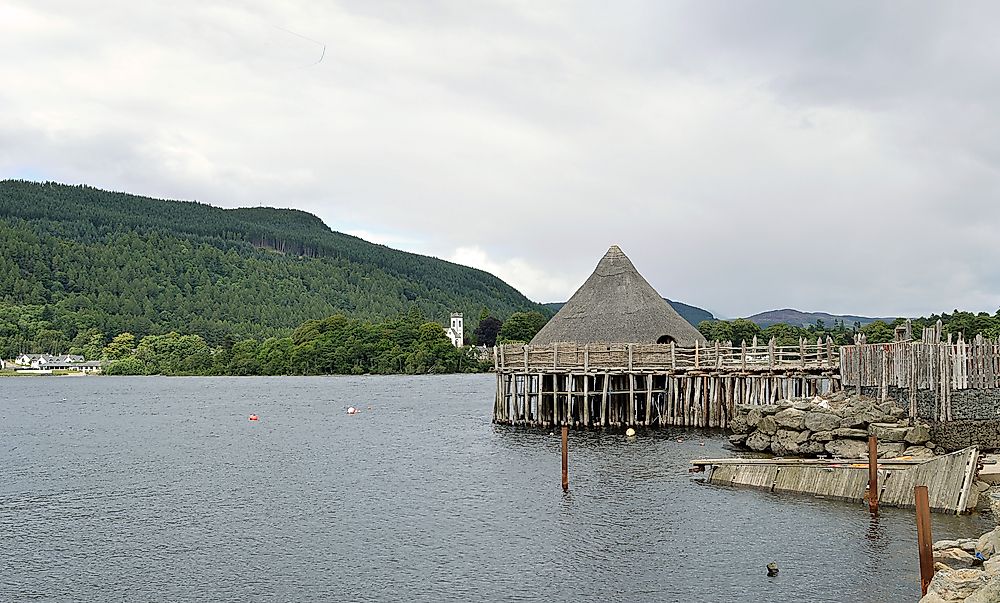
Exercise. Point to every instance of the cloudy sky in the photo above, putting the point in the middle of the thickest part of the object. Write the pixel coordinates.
(837, 156)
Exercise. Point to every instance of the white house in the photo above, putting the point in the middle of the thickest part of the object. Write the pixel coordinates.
(32, 360)
(59, 362)
(456, 332)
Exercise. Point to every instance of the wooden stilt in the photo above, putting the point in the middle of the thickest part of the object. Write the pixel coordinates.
(565, 458)
(604, 402)
(873, 492)
(924, 541)
(649, 398)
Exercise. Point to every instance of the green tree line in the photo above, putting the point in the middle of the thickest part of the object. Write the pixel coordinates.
(77, 263)
(335, 345)
(968, 324)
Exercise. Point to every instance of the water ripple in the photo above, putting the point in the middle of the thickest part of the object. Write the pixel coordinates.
(155, 489)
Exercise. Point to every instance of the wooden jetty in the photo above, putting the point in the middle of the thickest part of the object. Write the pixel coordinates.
(629, 384)
(949, 478)
(658, 371)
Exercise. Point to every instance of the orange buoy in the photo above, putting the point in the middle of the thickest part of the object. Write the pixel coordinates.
(253, 417)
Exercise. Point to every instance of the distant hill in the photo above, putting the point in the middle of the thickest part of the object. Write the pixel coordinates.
(804, 319)
(76, 260)
(692, 314)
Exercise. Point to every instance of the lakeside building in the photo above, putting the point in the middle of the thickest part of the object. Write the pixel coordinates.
(456, 331)
(60, 362)
(616, 304)
(618, 355)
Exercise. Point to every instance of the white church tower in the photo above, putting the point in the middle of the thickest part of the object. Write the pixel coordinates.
(456, 332)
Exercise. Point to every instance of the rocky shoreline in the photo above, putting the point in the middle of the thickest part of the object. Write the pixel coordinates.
(836, 426)
(966, 570)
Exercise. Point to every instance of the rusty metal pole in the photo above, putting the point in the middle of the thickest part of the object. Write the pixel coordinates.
(924, 537)
(565, 458)
(873, 475)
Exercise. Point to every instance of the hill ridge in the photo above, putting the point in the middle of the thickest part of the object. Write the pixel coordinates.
(90, 259)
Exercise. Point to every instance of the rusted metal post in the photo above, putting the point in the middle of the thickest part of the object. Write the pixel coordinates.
(924, 537)
(565, 458)
(873, 474)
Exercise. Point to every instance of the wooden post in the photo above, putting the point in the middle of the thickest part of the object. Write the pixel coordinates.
(924, 537)
(873, 475)
(604, 401)
(565, 458)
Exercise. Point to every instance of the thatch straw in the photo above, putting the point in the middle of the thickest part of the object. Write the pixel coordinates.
(616, 304)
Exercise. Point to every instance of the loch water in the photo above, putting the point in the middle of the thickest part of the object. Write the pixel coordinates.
(160, 489)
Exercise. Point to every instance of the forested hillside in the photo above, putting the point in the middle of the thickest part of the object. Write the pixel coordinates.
(78, 263)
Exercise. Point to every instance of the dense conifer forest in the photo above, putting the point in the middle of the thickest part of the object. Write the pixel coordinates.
(79, 266)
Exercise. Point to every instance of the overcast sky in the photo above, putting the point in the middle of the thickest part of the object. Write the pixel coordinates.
(837, 156)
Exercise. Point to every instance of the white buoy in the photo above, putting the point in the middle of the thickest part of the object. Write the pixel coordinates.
(351, 410)
(630, 433)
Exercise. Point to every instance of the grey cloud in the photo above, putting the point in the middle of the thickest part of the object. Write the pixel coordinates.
(823, 155)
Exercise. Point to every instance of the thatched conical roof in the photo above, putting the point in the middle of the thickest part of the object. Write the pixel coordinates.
(617, 305)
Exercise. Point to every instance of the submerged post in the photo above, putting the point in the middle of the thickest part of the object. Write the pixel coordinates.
(873, 474)
(924, 537)
(565, 458)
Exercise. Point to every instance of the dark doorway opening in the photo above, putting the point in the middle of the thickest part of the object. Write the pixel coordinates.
(665, 339)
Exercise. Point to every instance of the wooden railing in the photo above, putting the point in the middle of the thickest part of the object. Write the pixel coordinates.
(717, 356)
(923, 365)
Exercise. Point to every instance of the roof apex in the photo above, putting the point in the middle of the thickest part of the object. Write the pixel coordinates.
(617, 305)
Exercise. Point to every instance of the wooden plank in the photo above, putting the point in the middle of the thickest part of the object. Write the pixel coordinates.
(948, 478)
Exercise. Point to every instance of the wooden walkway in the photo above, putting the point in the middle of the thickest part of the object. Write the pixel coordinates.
(948, 478)
(654, 385)
(725, 357)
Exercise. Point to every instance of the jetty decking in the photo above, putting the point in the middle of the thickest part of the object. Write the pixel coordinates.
(625, 385)
(949, 478)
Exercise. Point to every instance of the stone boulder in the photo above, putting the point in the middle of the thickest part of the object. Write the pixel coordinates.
(918, 434)
(954, 558)
(955, 585)
(740, 439)
(758, 441)
(989, 543)
(822, 436)
(918, 452)
(890, 450)
(847, 432)
(989, 593)
(768, 425)
(787, 441)
(812, 447)
(822, 424)
(847, 449)
(821, 421)
(888, 432)
(791, 418)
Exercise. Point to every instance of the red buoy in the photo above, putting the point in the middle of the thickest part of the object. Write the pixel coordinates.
(253, 417)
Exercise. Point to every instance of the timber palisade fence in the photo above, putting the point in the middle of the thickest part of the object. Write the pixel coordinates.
(655, 385)
(941, 379)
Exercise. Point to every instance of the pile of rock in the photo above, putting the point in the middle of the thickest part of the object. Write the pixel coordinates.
(838, 426)
(966, 570)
